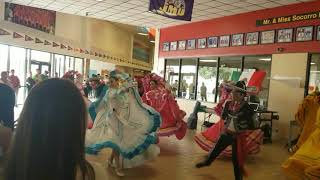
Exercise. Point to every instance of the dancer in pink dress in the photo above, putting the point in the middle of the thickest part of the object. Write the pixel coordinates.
(158, 95)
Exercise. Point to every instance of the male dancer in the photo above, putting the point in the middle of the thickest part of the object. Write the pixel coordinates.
(238, 117)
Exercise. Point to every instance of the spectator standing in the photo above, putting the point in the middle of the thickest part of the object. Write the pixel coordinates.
(7, 102)
(49, 142)
(203, 92)
(15, 82)
(30, 83)
(38, 77)
(4, 79)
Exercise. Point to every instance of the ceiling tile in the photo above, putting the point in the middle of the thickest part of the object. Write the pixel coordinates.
(269, 5)
(214, 3)
(227, 7)
(135, 12)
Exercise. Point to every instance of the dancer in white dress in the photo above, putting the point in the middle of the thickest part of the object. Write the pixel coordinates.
(124, 124)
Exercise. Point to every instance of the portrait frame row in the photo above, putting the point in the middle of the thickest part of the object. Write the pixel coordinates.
(285, 35)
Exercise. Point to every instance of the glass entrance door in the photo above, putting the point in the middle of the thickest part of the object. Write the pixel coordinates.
(42, 66)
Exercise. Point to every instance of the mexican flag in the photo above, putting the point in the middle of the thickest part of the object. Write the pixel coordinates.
(253, 79)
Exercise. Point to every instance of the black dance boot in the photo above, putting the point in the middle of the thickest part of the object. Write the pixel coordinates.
(202, 164)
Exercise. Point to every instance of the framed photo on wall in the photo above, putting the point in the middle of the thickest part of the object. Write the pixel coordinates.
(191, 44)
(173, 46)
(318, 33)
(237, 40)
(304, 33)
(252, 38)
(212, 42)
(182, 45)
(202, 43)
(32, 17)
(284, 35)
(267, 37)
(165, 46)
(224, 41)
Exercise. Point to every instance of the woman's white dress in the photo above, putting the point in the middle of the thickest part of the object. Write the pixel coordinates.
(126, 125)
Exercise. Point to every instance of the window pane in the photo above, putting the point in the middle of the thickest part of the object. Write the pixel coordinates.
(67, 65)
(260, 63)
(3, 57)
(229, 69)
(40, 56)
(56, 62)
(172, 74)
(18, 63)
(96, 67)
(229, 66)
(79, 65)
(71, 63)
(59, 60)
(314, 80)
(207, 76)
(188, 78)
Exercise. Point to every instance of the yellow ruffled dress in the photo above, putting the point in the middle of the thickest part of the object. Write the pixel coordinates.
(306, 118)
(305, 163)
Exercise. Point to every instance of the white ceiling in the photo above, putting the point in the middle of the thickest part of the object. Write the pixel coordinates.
(135, 12)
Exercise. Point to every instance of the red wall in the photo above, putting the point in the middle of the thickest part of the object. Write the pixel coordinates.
(241, 23)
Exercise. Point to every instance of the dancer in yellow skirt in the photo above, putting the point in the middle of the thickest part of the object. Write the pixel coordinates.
(306, 118)
(305, 163)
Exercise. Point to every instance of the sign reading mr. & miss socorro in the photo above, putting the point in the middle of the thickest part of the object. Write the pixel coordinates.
(288, 19)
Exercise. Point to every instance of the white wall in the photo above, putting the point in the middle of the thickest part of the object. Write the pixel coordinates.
(79, 32)
(285, 96)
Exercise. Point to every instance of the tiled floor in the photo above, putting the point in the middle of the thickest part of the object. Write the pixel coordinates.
(177, 160)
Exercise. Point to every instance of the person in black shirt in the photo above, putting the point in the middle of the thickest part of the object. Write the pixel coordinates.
(7, 102)
(238, 117)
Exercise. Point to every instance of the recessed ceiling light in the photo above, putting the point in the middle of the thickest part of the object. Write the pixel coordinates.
(208, 60)
(265, 59)
(99, 0)
(152, 41)
(312, 63)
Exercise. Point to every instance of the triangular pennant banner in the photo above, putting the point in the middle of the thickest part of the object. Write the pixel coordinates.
(76, 49)
(81, 51)
(69, 48)
(95, 54)
(87, 52)
(28, 38)
(38, 41)
(4, 32)
(16, 35)
(63, 46)
(100, 55)
(55, 44)
(47, 42)
(104, 56)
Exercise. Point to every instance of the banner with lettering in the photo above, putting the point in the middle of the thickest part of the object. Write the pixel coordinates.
(175, 9)
(289, 19)
(40, 19)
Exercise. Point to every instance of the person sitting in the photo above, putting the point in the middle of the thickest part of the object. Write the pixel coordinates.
(50, 138)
